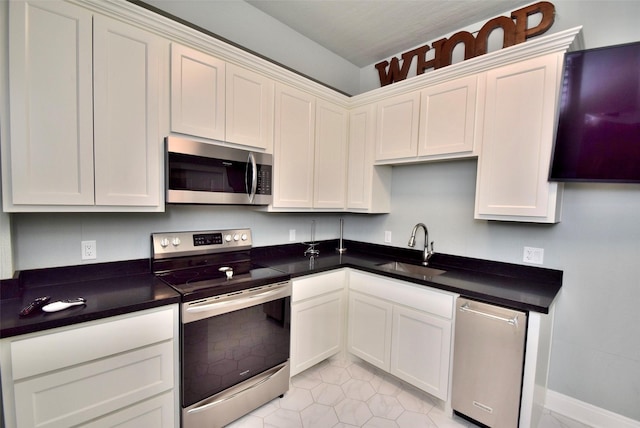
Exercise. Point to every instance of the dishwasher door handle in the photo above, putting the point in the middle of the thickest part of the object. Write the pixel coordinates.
(511, 321)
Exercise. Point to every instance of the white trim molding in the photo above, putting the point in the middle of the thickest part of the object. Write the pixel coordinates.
(586, 413)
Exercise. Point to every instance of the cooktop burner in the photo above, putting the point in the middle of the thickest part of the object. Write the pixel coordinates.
(210, 263)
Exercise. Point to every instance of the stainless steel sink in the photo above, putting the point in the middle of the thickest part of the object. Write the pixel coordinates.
(413, 270)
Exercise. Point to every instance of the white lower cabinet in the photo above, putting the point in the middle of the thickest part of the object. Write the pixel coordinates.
(402, 328)
(120, 371)
(420, 350)
(317, 319)
(370, 329)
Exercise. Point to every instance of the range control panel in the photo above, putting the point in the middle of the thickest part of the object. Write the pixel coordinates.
(178, 244)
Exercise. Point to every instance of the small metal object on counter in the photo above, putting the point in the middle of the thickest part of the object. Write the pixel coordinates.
(35, 306)
(341, 249)
(61, 305)
(426, 253)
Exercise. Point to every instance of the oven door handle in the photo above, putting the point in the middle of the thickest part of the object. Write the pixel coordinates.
(206, 309)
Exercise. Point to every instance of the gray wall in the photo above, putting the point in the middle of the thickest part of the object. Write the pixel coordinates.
(596, 346)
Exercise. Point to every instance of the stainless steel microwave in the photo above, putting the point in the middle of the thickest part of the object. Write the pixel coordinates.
(204, 173)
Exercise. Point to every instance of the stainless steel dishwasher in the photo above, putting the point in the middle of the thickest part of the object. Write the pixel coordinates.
(488, 363)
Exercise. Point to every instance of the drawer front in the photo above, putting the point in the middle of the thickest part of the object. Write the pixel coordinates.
(69, 397)
(157, 412)
(316, 285)
(414, 296)
(89, 341)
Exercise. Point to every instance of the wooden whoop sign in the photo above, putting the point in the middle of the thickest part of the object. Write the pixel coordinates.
(515, 31)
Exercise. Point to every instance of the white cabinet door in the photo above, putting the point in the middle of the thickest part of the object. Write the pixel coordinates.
(318, 308)
(513, 164)
(128, 79)
(368, 186)
(197, 93)
(93, 373)
(295, 116)
(448, 117)
(249, 108)
(51, 104)
(370, 321)
(330, 171)
(420, 350)
(397, 127)
(317, 328)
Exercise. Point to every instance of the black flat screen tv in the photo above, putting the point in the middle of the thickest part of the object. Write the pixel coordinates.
(598, 135)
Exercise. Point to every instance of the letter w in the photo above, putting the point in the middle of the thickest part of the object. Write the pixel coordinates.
(395, 73)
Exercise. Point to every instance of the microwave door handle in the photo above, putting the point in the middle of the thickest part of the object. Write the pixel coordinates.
(254, 177)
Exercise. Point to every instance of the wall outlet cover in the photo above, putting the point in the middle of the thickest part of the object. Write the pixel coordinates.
(533, 255)
(387, 237)
(89, 250)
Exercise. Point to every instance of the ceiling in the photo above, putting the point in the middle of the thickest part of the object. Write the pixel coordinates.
(365, 32)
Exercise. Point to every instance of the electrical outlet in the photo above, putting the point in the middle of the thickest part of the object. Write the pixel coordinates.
(533, 255)
(89, 250)
(292, 235)
(387, 237)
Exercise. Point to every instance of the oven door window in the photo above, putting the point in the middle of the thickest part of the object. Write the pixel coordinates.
(188, 172)
(224, 350)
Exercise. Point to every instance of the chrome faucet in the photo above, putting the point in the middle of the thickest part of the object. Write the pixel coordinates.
(426, 253)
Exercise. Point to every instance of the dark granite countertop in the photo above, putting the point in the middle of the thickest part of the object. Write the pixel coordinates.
(109, 288)
(515, 286)
(124, 287)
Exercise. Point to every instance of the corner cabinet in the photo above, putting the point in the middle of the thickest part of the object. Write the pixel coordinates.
(310, 152)
(120, 370)
(83, 87)
(519, 125)
(368, 185)
(318, 307)
(402, 328)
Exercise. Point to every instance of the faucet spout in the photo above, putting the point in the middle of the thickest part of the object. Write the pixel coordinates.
(426, 252)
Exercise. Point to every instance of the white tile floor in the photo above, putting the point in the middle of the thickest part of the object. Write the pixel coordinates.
(345, 394)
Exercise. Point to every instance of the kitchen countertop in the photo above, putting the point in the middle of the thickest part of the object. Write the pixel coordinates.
(109, 288)
(123, 287)
(519, 287)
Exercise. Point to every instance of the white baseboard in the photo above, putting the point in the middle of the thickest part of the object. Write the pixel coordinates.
(586, 413)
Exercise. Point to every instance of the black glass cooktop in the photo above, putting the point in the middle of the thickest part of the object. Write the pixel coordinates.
(212, 279)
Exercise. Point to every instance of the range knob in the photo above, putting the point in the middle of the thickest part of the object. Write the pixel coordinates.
(236, 237)
(228, 238)
(244, 237)
(164, 242)
(176, 241)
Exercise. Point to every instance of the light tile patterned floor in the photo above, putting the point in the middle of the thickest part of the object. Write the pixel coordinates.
(345, 394)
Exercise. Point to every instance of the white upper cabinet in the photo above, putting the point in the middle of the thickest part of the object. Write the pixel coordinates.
(197, 93)
(51, 102)
(249, 108)
(295, 120)
(220, 101)
(83, 87)
(368, 186)
(310, 152)
(128, 145)
(397, 127)
(437, 122)
(448, 117)
(513, 166)
(330, 161)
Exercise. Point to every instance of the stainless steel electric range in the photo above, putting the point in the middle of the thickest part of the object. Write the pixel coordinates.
(235, 323)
